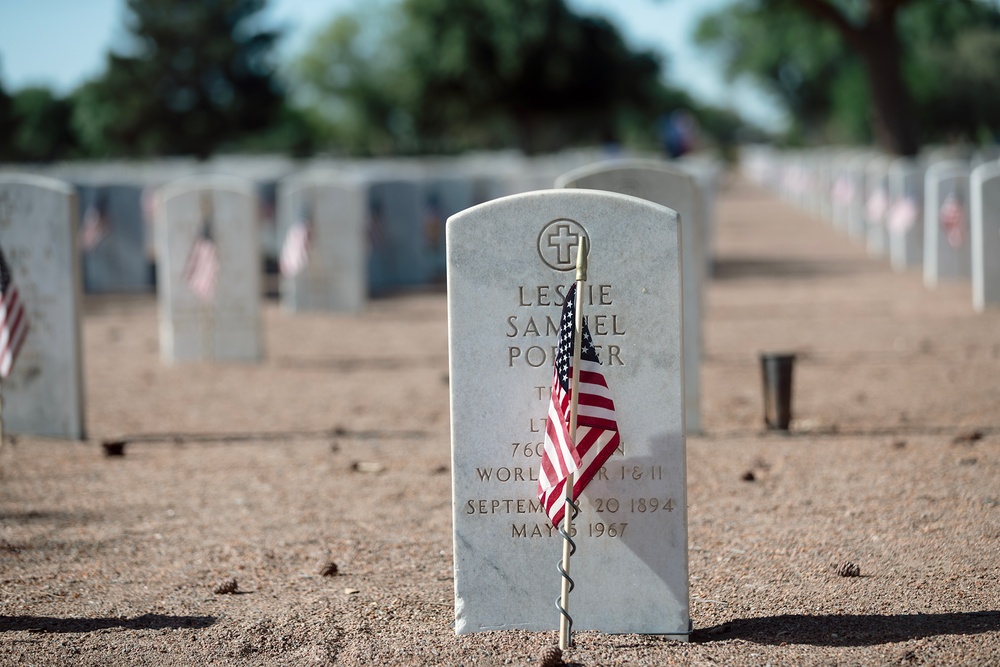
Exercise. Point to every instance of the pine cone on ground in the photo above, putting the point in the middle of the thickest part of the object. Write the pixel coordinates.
(552, 656)
(849, 569)
(227, 587)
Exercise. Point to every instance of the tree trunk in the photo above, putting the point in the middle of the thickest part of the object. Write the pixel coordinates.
(878, 45)
(891, 110)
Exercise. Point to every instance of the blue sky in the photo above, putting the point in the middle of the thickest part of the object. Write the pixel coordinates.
(61, 43)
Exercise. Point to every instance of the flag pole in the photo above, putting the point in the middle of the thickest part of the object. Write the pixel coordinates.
(565, 621)
(2, 434)
(207, 209)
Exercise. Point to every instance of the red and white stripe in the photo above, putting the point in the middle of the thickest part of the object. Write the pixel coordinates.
(201, 272)
(295, 250)
(596, 425)
(13, 321)
(596, 440)
(952, 219)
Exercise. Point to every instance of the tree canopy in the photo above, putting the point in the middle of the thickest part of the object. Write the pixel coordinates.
(448, 74)
(200, 73)
(899, 72)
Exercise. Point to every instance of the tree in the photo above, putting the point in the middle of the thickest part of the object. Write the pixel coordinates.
(445, 75)
(41, 126)
(199, 75)
(819, 80)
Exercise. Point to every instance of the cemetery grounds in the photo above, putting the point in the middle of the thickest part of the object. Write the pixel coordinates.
(335, 451)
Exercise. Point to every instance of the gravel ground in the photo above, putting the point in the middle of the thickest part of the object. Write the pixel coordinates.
(335, 450)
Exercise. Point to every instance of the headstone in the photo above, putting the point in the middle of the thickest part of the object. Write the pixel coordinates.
(330, 208)
(904, 219)
(395, 231)
(113, 240)
(856, 229)
(844, 192)
(947, 249)
(224, 326)
(669, 186)
(44, 393)
(985, 185)
(444, 196)
(876, 206)
(509, 263)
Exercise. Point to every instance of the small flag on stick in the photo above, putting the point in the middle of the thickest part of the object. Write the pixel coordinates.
(13, 319)
(597, 427)
(295, 249)
(95, 227)
(201, 272)
(902, 215)
(952, 219)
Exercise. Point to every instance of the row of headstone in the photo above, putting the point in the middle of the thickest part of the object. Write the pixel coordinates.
(508, 264)
(935, 213)
(364, 230)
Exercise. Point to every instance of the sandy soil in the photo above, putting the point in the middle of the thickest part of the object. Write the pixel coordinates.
(335, 449)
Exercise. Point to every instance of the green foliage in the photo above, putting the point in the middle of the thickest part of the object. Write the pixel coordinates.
(448, 75)
(803, 63)
(41, 123)
(199, 75)
(950, 53)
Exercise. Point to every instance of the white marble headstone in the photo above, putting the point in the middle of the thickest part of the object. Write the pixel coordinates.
(947, 249)
(397, 240)
(675, 188)
(876, 205)
(114, 260)
(985, 185)
(904, 221)
(226, 327)
(509, 263)
(44, 393)
(335, 275)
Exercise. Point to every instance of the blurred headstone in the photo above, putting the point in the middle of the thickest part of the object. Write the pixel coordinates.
(985, 185)
(904, 219)
(323, 250)
(675, 188)
(44, 394)
(113, 239)
(947, 250)
(208, 270)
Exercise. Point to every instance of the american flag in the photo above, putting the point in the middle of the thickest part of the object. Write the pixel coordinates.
(842, 191)
(877, 205)
(13, 319)
(902, 215)
(295, 249)
(201, 272)
(596, 429)
(95, 226)
(952, 219)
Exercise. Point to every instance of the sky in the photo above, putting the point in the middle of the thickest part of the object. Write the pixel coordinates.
(62, 43)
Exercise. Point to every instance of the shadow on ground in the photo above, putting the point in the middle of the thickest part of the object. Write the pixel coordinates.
(144, 622)
(850, 629)
(737, 268)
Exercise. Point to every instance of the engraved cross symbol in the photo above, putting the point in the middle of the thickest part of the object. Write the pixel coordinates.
(563, 240)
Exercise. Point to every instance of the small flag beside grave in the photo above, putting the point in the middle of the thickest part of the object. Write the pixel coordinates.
(596, 437)
(95, 227)
(201, 272)
(13, 319)
(952, 218)
(295, 249)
